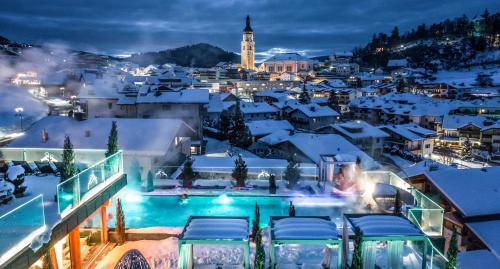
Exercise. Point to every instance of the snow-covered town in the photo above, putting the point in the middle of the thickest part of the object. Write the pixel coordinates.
(384, 155)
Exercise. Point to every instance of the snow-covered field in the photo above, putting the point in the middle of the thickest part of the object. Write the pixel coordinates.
(12, 97)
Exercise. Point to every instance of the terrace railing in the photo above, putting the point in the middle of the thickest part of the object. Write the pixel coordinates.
(82, 186)
(224, 172)
(20, 226)
(54, 155)
(426, 214)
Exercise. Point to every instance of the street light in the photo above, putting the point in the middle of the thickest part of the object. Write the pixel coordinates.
(19, 113)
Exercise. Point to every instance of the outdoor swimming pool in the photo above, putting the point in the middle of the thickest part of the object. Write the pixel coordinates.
(173, 211)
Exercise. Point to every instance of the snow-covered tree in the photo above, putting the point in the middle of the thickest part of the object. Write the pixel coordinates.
(15, 175)
(333, 101)
(304, 97)
(238, 135)
(256, 222)
(187, 173)
(68, 160)
(466, 151)
(224, 122)
(452, 252)
(149, 182)
(357, 257)
(240, 171)
(484, 80)
(292, 173)
(120, 222)
(112, 140)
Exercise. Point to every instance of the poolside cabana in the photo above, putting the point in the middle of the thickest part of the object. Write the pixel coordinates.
(212, 231)
(375, 228)
(304, 230)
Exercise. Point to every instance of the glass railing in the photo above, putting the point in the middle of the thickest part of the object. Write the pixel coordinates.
(88, 182)
(20, 226)
(435, 259)
(84, 157)
(426, 213)
(222, 172)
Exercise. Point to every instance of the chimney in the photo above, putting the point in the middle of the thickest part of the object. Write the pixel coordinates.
(87, 133)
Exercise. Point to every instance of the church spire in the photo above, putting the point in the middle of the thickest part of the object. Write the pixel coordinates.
(248, 28)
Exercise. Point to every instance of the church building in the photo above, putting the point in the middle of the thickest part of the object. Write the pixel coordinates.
(248, 47)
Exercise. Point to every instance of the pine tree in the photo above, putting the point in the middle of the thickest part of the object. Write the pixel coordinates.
(238, 134)
(224, 123)
(68, 160)
(304, 97)
(260, 254)
(291, 210)
(452, 252)
(272, 184)
(292, 173)
(112, 140)
(333, 101)
(120, 222)
(256, 222)
(397, 203)
(357, 258)
(149, 182)
(466, 151)
(240, 171)
(187, 173)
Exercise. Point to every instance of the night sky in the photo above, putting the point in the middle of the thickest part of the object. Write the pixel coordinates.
(313, 27)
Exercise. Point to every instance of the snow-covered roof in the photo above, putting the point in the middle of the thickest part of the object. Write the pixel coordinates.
(265, 127)
(190, 96)
(304, 228)
(215, 104)
(473, 191)
(421, 167)
(408, 104)
(488, 232)
(358, 129)
(206, 228)
(384, 225)
(453, 122)
(279, 94)
(314, 145)
(102, 89)
(397, 63)
(477, 259)
(314, 110)
(287, 57)
(150, 136)
(412, 132)
(253, 108)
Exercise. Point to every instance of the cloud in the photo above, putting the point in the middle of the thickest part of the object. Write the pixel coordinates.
(313, 26)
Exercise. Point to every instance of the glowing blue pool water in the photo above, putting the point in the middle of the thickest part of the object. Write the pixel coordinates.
(172, 211)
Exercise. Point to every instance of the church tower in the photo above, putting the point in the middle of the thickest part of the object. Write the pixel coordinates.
(247, 47)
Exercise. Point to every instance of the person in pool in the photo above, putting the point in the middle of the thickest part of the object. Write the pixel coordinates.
(184, 196)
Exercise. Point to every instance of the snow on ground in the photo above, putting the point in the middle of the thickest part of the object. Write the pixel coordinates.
(45, 185)
(467, 77)
(460, 163)
(217, 148)
(158, 253)
(398, 161)
(12, 97)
